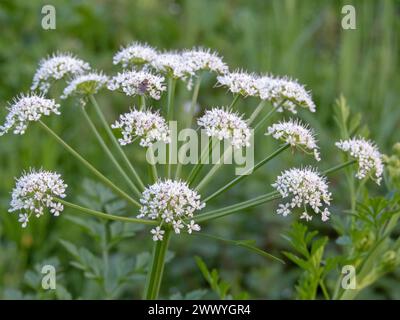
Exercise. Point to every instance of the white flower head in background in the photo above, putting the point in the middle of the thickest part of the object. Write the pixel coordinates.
(34, 192)
(85, 84)
(147, 125)
(204, 59)
(26, 108)
(239, 82)
(172, 203)
(223, 124)
(141, 83)
(57, 67)
(306, 189)
(296, 135)
(368, 157)
(135, 54)
(172, 64)
(285, 93)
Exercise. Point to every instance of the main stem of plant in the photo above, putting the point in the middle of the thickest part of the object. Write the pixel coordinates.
(155, 273)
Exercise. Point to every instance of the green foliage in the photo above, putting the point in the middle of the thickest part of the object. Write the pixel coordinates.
(220, 287)
(309, 254)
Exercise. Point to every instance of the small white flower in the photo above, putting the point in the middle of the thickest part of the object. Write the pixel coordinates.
(135, 54)
(34, 191)
(157, 233)
(57, 67)
(296, 134)
(24, 219)
(368, 157)
(307, 188)
(223, 124)
(287, 93)
(138, 83)
(85, 84)
(171, 203)
(239, 82)
(192, 226)
(27, 108)
(204, 59)
(174, 65)
(147, 125)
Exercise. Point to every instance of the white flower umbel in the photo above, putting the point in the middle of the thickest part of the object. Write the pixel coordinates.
(203, 59)
(172, 203)
(287, 93)
(34, 192)
(27, 108)
(135, 54)
(368, 157)
(172, 64)
(297, 135)
(147, 125)
(57, 67)
(228, 125)
(239, 82)
(141, 83)
(85, 84)
(306, 189)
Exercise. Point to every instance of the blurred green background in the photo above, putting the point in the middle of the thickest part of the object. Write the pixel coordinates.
(302, 39)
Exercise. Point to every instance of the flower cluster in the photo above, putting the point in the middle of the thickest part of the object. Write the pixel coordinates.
(173, 64)
(368, 157)
(239, 82)
(135, 54)
(138, 83)
(307, 188)
(26, 108)
(147, 125)
(284, 93)
(85, 84)
(57, 67)
(223, 124)
(204, 59)
(173, 203)
(296, 134)
(35, 191)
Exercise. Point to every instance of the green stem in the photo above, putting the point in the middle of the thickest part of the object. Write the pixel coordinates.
(115, 141)
(103, 215)
(235, 99)
(108, 152)
(197, 168)
(170, 114)
(266, 117)
(339, 166)
(218, 213)
(194, 100)
(256, 112)
(153, 165)
(247, 173)
(142, 100)
(90, 167)
(155, 274)
(213, 171)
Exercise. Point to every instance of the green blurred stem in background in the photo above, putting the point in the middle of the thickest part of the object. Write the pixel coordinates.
(108, 152)
(90, 167)
(115, 142)
(256, 112)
